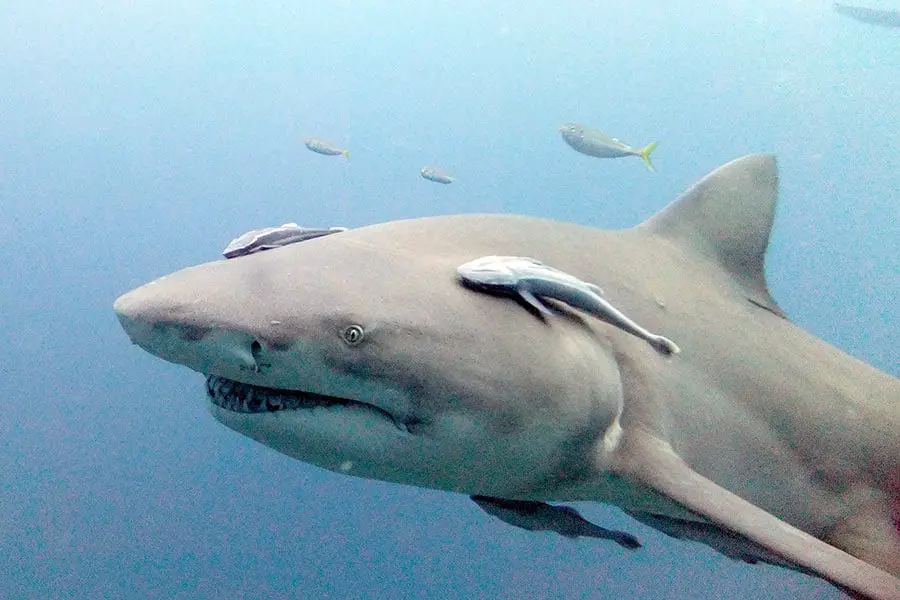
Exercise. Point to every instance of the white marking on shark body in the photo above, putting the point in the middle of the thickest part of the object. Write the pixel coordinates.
(362, 349)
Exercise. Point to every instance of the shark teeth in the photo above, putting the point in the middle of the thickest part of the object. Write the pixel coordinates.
(246, 398)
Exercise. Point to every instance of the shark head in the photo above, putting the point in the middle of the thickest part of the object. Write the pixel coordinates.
(361, 353)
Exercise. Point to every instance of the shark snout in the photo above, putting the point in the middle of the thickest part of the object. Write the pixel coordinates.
(201, 347)
(144, 320)
(128, 310)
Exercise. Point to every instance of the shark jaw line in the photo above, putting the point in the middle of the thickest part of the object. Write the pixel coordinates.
(246, 398)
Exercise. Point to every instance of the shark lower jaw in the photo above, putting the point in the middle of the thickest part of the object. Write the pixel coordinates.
(245, 398)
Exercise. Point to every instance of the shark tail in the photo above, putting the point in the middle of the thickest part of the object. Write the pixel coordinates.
(645, 154)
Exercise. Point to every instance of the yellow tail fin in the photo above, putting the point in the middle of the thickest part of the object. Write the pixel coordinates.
(645, 154)
(346, 154)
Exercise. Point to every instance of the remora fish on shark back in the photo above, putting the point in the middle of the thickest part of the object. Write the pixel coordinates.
(531, 280)
(361, 353)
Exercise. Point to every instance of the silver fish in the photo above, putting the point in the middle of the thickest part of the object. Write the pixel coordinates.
(435, 174)
(594, 142)
(328, 149)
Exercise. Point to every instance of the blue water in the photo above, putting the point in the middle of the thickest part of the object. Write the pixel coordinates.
(137, 138)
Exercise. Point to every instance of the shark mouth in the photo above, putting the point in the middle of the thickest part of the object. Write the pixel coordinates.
(240, 397)
(246, 398)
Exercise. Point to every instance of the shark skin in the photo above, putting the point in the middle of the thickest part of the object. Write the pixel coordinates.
(360, 352)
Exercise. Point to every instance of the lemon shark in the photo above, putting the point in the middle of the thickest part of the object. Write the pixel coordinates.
(362, 353)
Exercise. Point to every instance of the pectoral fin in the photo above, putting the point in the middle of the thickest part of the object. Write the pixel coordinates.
(535, 302)
(651, 461)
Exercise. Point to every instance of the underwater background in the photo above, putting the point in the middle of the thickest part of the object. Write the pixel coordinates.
(137, 138)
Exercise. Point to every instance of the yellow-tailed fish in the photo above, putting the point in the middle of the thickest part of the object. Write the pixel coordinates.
(594, 142)
(328, 149)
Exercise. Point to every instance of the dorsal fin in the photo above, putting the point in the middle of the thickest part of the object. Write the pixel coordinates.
(727, 217)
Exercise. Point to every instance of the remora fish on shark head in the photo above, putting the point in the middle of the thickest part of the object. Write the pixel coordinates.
(362, 353)
(269, 238)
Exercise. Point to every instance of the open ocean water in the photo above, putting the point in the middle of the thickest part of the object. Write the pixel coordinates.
(139, 137)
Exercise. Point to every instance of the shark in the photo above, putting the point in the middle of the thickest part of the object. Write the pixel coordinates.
(361, 352)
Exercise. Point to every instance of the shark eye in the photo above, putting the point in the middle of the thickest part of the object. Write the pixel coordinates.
(353, 335)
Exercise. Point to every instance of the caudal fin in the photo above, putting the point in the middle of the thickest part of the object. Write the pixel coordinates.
(346, 154)
(645, 154)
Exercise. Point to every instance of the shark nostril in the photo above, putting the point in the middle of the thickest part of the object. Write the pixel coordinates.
(256, 349)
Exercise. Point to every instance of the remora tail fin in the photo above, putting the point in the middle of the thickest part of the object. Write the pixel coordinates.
(727, 217)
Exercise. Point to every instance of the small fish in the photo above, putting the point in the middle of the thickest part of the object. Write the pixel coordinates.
(268, 238)
(435, 174)
(528, 278)
(328, 149)
(594, 142)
